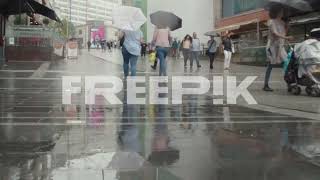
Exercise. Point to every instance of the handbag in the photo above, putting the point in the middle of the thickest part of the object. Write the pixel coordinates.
(122, 40)
(208, 51)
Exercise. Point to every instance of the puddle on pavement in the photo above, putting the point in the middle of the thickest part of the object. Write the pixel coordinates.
(158, 142)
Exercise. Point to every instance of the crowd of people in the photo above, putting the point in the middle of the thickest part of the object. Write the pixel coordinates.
(190, 47)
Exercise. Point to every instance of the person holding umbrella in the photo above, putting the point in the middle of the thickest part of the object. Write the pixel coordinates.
(161, 40)
(129, 20)
(131, 50)
(276, 40)
(164, 22)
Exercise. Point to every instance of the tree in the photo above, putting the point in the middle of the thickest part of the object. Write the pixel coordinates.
(20, 20)
(65, 28)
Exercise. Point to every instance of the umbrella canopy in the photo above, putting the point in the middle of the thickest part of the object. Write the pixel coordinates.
(166, 19)
(300, 5)
(128, 18)
(212, 33)
(30, 7)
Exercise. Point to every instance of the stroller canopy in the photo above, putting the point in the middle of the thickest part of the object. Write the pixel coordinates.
(308, 52)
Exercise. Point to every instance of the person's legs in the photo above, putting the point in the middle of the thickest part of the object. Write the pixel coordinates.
(162, 54)
(197, 54)
(267, 77)
(229, 60)
(192, 58)
(133, 65)
(126, 57)
(186, 55)
(211, 56)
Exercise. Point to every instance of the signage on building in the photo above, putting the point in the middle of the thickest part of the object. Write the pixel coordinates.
(11, 41)
(72, 49)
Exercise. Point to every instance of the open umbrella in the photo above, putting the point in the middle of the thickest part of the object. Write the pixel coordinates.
(166, 19)
(300, 5)
(128, 18)
(30, 7)
(212, 33)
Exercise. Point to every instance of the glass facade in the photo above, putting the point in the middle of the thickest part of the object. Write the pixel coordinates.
(234, 7)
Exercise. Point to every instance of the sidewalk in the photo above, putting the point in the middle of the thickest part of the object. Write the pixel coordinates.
(279, 100)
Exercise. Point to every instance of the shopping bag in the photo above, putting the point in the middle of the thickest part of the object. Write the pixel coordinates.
(152, 57)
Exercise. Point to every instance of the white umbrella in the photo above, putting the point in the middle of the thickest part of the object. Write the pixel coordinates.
(128, 18)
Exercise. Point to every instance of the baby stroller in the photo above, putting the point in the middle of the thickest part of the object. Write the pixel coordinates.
(304, 67)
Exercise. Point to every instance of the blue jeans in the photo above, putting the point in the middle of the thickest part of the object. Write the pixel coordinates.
(162, 53)
(268, 74)
(129, 59)
(195, 56)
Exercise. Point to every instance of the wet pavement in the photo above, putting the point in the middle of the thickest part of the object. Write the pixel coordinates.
(42, 139)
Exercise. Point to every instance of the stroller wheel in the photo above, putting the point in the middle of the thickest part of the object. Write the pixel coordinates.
(309, 91)
(315, 92)
(296, 90)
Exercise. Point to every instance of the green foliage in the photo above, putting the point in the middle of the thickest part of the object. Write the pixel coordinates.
(66, 29)
(20, 20)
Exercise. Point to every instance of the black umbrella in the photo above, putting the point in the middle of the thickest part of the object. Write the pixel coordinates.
(165, 19)
(295, 7)
(13, 7)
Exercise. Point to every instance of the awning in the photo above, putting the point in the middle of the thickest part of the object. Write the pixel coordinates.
(13, 7)
(235, 26)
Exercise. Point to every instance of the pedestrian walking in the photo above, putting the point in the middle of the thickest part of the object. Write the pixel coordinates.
(161, 40)
(109, 46)
(195, 50)
(186, 45)
(143, 49)
(174, 48)
(212, 49)
(131, 50)
(275, 50)
(89, 45)
(227, 50)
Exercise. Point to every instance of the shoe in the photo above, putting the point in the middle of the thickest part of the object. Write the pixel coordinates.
(153, 67)
(267, 89)
(211, 67)
(199, 66)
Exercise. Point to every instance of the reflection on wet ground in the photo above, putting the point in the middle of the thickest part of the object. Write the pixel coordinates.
(193, 141)
(41, 139)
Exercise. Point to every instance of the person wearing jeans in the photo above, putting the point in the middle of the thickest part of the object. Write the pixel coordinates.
(186, 47)
(129, 59)
(131, 50)
(195, 50)
(276, 39)
(161, 39)
(162, 53)
(212, 49)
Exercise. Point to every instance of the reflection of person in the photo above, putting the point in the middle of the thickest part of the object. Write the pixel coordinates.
(161, 39)
(195, 50)
(131, 50)
(186, 45)
(212, 49)
(277, 35)
(227, 50)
